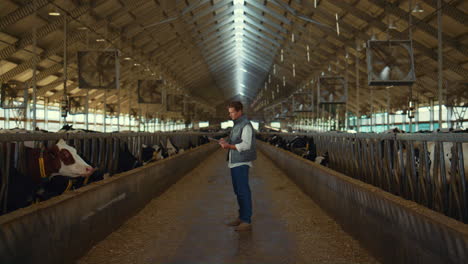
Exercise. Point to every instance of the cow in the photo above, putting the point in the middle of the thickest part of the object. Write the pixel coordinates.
(203, 140)
(44, 168)
(70, 129)
(125, 162)
(322, 160)
(172, 148)
(153, 153)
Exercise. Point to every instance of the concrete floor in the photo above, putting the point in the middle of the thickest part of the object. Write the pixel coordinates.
(186, 224)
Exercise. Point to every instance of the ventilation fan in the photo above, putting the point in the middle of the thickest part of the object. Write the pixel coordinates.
(97, 69)
(174, 102)
(390, 62)
(303, 102)
(332, 90)
(14, 95)
(150, 91)
(77, 105)
(457, 94)
(111, 110)
(286, 109)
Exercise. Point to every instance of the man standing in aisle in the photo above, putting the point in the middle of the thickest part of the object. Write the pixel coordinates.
(241, 146)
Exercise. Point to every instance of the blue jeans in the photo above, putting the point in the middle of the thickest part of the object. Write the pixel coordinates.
(240, 183)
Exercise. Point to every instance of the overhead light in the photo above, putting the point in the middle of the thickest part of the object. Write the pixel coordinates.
(244, 70)
(417, 9)
(147, 69)
(136, 64)
(127, 58)
(100, 40)
(54, 13)
(242, 85)
(82, 28)
(391, 25)
(241, 93)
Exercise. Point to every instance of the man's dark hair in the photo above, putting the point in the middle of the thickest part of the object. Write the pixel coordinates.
(236, 105)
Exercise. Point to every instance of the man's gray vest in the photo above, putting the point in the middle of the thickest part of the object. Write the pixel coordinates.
(236, 138)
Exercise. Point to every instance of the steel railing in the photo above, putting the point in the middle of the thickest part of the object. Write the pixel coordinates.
(100, 150)
(426, 168)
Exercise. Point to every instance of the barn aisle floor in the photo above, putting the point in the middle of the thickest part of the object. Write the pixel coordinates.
(186, 224)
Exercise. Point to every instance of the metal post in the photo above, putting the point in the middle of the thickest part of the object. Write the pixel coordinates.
(46, 113)
(104, 101)
(139, 119)
(388, 109)
(26, 114)
(431, 114)
(65, 72)
(87, 110)
(410, 124)
(403, 122)
(416, 117)
(449, 116)
(129, 109)
(439, 59)
(346, 91)
(371, 110)
(118, 109)
(87, 93)
(6, 113)
(358, 115)
(95, 119)
(34, 77)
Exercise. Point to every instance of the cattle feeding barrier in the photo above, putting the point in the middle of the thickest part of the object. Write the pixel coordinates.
(100, 150)
(429, 169)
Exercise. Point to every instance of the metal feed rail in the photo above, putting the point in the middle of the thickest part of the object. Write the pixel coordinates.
(396, 163)
(100, 150)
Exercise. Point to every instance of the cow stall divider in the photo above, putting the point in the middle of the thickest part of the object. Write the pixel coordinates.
(393, 229)
(100, 150)
(428, 168)
(62, 229)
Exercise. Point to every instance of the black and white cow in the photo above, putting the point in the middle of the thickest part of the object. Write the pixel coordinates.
(40, 177)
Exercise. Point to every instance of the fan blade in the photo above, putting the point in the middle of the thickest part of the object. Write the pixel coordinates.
(385, 73)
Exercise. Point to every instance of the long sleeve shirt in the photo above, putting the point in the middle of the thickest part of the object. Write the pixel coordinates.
(243, 146)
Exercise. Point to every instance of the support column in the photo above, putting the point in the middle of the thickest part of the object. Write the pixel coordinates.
(34, 77)
(64, 100)
(6, 114)
(46, 113)
(449, 116)
(358, 115)
(416, 117)
(439, 58)
(104, 101)
(431, 115)
(403, 122)
(95, 119)
(87, 110)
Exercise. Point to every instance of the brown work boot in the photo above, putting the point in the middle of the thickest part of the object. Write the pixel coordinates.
(235, 222)
(243, 227)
